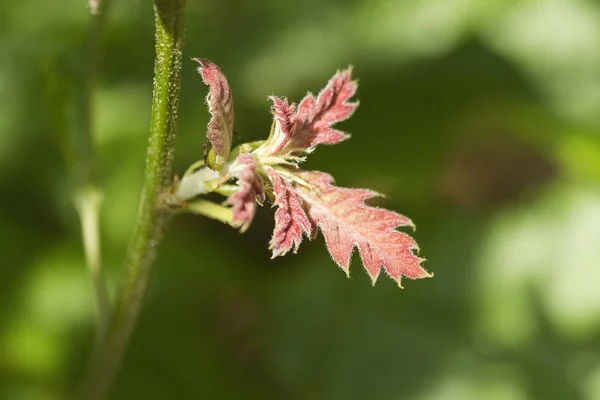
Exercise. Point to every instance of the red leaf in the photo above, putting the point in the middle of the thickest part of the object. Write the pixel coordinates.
(310, 123)
(284, 114)
(347, 222)
(243, 201)
(291, 220)
(220, 105)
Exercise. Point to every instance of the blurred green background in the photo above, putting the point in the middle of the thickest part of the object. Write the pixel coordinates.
(479, 119)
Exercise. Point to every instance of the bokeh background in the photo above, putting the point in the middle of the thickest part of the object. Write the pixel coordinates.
(480, 119)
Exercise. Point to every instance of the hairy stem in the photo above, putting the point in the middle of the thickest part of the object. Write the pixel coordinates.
(169, 24)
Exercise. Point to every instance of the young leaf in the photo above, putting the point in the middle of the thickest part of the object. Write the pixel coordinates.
(291, 220)
(306, 201)
(220, 106)
(284, 114)
(347, 222)
(310, 123)
(243, 201)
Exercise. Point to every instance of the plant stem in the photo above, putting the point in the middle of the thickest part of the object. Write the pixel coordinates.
(87, 196)
(87, 202)
(169, 23)
(210, 209)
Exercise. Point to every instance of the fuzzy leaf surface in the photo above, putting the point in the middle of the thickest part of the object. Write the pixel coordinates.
(310, 123)
(291, 221)
(243, 201)
(220, 106)
(347, 222)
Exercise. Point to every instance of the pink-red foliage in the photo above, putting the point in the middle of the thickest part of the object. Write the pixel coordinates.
(243, 201)
(347, 222)
(291, 221)
(220, 105)
(307, 201)
(310, 123)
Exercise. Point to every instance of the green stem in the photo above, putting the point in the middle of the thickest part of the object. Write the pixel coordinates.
(210, 209)
(87, 195)
(85, 143)
(169, 23)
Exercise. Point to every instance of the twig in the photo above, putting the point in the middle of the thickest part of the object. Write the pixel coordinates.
(169, 23)
(87, 195)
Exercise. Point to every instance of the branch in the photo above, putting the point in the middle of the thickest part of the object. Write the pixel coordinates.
(87, 196)
(169, 24)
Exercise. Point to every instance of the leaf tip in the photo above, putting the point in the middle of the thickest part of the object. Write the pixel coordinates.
(427, 273)
(202, 62)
